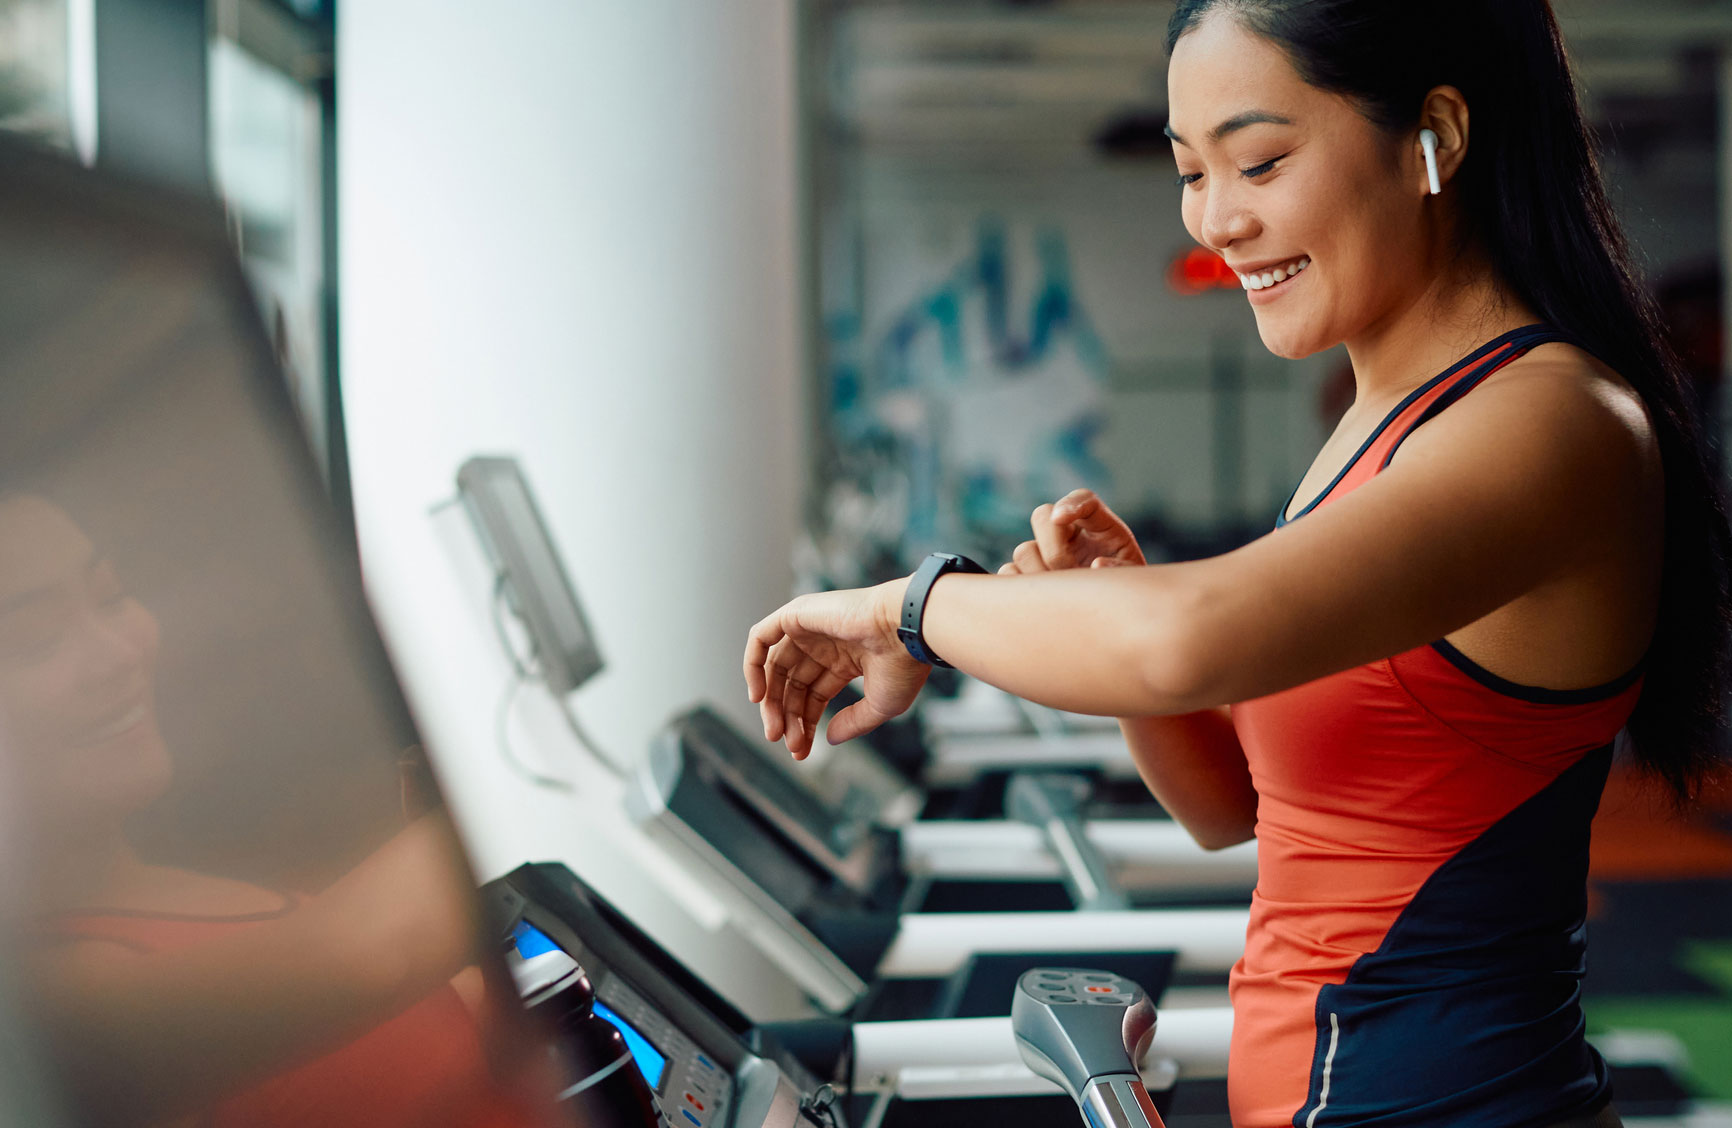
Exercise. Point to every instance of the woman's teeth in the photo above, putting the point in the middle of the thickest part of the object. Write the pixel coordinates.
(121, 725)
(1270, 278)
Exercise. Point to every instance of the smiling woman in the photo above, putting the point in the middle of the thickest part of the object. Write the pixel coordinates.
(219, 900)
(1279, 174)
(77, 657)
(1510, 554)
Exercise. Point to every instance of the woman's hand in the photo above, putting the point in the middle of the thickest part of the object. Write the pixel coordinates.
(1078, 531)
(801, 656)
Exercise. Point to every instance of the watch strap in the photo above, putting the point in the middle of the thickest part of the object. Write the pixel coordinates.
(914, 601)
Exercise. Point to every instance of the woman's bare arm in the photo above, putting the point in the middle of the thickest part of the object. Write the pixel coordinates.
(1522, 484)
(143, 1036)
(1193, 764)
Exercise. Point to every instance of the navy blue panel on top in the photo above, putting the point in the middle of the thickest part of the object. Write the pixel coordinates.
(1470, 1010)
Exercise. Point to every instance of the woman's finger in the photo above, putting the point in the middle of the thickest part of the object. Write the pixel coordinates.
(1066, 508)
(857, 719)
(1054, 541)
(775, 683)
(1088, 513)
(799, 679)
(1027, 558)
(810, 688)
(1009, 568)
(763, 635)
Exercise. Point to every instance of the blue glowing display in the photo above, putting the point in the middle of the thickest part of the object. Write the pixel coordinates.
(531, 941)
(650, 1061)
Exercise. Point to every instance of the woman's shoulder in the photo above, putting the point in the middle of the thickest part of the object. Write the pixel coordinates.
(1561, 400)
(1574, 382)
(1556, 428)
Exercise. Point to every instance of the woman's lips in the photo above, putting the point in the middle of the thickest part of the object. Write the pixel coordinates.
(119, 725)
(1275, 290)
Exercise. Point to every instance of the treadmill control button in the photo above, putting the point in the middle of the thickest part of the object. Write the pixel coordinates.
(687, 1114)
(705, 1062)
(699, 1105)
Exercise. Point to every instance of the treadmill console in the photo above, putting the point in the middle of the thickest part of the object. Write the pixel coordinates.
(687, 1041)
(690, 1086)
(824, 901)
(850, 852)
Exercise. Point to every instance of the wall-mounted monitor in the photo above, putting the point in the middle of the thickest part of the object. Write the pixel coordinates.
(533, 579)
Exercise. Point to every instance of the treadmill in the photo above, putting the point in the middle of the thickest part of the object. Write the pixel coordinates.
(709, 1066)
(831, 900)
(690, 1044)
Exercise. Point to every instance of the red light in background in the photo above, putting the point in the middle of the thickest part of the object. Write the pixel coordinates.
(1198, 271)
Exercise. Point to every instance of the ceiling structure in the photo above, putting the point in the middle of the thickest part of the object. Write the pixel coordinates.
(1054, 77)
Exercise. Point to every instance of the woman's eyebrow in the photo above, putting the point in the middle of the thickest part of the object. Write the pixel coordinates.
(1234, 124)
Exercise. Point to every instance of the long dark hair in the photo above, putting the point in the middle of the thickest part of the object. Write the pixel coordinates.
(1532, 196)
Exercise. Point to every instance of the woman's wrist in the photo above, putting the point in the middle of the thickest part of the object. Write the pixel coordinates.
(887, 608)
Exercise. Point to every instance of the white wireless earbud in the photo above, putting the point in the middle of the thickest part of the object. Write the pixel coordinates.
(1428, 142)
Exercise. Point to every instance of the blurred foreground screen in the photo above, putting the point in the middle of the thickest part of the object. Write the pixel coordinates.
(227, 893)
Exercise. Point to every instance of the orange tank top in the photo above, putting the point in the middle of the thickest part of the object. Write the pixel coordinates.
(424, 1068)
(1417, 934)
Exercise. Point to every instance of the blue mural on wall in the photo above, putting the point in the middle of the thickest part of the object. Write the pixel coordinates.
(970, 406)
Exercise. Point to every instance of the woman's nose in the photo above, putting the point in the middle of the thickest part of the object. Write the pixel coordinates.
(1226, 220)
(110, 649)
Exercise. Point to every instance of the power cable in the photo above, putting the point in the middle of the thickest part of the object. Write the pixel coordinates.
(525, 670)
(503, 733)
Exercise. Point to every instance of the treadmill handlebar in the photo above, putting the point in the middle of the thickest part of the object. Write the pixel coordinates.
(1119, 1101)
(1073, 1025)
(952, 1058)
(1053, 802)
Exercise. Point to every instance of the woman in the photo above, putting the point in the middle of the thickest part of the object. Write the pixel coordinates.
(1508, 551)
(170, 996)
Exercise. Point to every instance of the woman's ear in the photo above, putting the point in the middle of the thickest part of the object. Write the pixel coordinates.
(1444, 112)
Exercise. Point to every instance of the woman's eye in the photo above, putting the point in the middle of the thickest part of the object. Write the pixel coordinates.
(1261, 170)
(1188, 178)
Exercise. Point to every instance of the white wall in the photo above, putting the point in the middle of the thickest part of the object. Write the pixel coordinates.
(568, 233)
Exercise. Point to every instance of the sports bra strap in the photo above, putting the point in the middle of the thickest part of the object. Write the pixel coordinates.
(1422, 404)
(1511, 346)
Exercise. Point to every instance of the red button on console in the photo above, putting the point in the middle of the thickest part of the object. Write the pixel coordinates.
(699, 1105)
(1100, 990)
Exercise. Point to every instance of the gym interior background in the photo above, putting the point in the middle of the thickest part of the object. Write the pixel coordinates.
(771, 295)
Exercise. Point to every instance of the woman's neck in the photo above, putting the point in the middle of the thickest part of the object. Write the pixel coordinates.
(1460, 310)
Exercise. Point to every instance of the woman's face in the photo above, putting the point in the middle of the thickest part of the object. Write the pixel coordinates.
(1277, 173)
(78, 729)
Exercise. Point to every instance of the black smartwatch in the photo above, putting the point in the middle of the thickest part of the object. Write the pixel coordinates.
(914, 602)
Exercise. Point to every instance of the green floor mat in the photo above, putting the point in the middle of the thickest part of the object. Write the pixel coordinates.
(1703, 1023)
